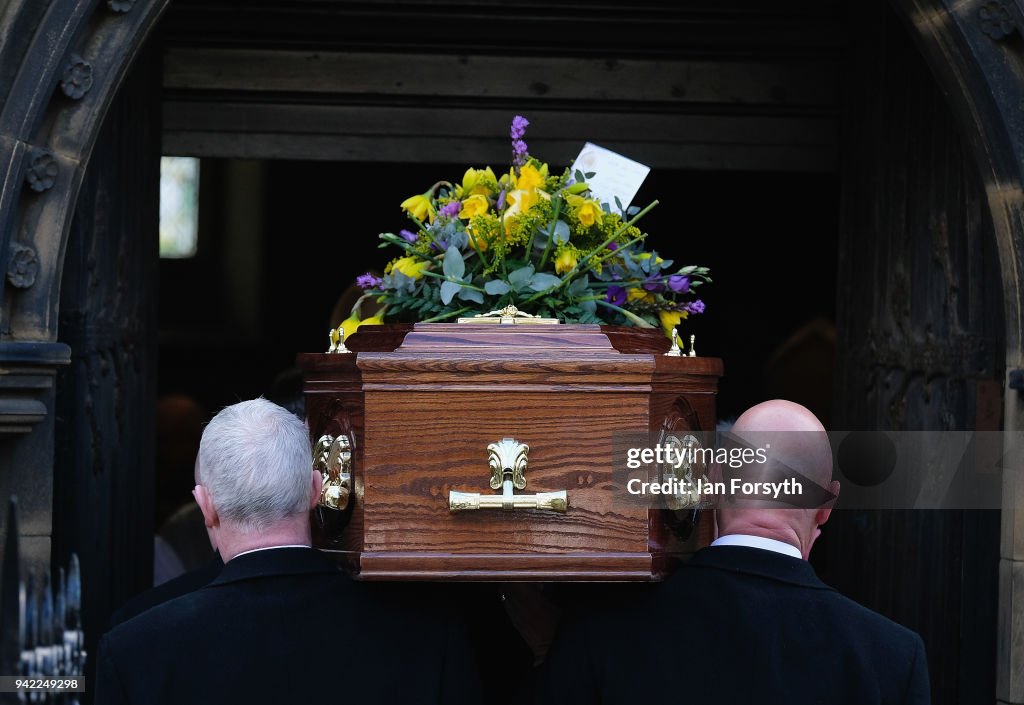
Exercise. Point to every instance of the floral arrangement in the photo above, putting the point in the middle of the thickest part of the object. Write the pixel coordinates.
(530, 238)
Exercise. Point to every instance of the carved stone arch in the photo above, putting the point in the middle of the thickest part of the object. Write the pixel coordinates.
(68, 76)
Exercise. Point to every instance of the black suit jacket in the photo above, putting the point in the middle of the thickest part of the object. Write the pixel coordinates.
(175, 587)
(737, 625)
(286, 626)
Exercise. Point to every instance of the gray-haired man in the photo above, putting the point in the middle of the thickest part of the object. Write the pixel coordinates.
(281, 623)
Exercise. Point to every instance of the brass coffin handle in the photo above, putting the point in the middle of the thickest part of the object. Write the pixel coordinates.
(507, 460)
(332, 457)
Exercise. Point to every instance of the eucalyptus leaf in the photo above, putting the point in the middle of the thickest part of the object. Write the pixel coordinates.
(579, 286)
(471, 295)
(561, 232)
(454, 266)
(542, 281)
(448, 291)
(589, 306)
(520, 277)
(496, 287)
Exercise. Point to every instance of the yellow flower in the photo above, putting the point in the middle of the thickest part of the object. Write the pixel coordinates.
(587, 211)
(420, 207)
(647, 255)
(474, 205)
(519, 202)
(477, 181)
(670, 319)
(565, 260)
(349, 326)
(409, 266)
(372, 321)
(637, 294)
(530, 177)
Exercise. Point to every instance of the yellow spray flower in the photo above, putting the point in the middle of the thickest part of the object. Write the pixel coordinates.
(409, 266)
(420, 207)
(565, 260)
(474, 205)
(670, 319)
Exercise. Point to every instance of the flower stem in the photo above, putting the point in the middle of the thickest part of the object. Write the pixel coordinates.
(449, 314)
(551, 237)
(448, 279)
(637, 321)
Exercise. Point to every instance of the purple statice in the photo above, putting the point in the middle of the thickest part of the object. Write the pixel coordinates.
(368, 281)
(694, 307)
(409, 236)
(679, 283)
(519, 152)
(613, 246)
(519, 148)
(616, 295)
(451, 210)
(519, 125)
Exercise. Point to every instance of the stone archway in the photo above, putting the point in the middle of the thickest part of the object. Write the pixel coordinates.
(974, 50)
(68, 59)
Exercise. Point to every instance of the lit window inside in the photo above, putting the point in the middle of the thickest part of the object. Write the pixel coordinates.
(179, 206)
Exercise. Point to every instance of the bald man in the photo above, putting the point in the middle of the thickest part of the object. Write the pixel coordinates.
(746, 620)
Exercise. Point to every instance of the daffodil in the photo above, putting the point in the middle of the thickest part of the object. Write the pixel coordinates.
(588, 212)
(409, 266)
(530, 177)
(641, 295)
(566, 260)
(420, 207)
(474, 205)
(349, 326)
(477, 182)
(670, 319)
(519, 202)
(372, 321)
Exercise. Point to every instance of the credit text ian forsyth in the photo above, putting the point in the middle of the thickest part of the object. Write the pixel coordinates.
(684, 458)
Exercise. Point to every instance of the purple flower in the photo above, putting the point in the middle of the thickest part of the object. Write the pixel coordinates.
(519, 150)
(679, 283)
(409, 235)
(439, 245)
(653, 283)
(451, 210)
(695, 307)
(368, 281)
(519, 125)
(613, 246)
(616, 295)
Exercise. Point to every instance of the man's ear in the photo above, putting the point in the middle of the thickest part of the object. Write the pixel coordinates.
(714, 472)
(318, 487)
(822, 515)
(205, 502)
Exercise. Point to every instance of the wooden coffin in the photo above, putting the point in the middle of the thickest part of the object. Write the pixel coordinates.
(417, 407)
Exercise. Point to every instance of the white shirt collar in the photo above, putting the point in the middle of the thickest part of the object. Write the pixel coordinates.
(268, 548)
(758, 542)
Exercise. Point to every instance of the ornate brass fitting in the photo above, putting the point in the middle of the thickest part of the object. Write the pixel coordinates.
(332, 457)
(508, 316)
(507, 460)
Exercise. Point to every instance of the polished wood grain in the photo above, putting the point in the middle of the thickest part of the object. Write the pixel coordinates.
(424, 401)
